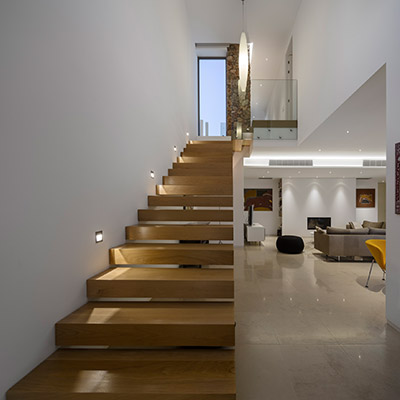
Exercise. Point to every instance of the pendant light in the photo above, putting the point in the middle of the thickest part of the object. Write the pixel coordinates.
(243, 57)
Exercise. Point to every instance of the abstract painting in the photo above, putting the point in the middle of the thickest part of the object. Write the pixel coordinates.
(260, 198)
(365, 198)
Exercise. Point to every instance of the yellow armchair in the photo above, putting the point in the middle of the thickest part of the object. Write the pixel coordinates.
(377, 248)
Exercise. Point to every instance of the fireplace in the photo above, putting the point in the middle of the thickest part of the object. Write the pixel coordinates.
(322, 222)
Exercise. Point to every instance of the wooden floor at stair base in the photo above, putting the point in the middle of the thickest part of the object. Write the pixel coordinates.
(181, 254)
(179, 232)
(187, 283)
(190, 201)
(198, 374)
(148, 324)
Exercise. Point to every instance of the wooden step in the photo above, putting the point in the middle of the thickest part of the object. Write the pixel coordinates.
(179, 232)
(190, 201)
(201, 165)
(171, 253)
(209, 159)
(185, 215)
(148, 324)
(183, 374)
(201, 151)
(188, 283)
(200, 189)
(190, 180)
(211, 142)
(200, 172)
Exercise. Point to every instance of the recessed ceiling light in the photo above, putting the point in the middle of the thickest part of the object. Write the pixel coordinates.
(359, 150)
(347, 131)
(299, 172)
(254, 116)
(266, 59)
(256, 104)
(330, 172)
(383, 181)
(360, 172)
(343, 177)
(319, 149)
(267, 172)
(317, 176)
(260, 84)
(289, 176)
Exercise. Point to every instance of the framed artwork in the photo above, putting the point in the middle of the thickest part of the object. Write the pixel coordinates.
(260, 198)
(365, 198)
(397, 200)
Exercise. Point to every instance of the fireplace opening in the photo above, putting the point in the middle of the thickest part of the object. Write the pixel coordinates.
(322, 222)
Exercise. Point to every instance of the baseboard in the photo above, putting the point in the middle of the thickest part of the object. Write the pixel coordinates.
(394, 326)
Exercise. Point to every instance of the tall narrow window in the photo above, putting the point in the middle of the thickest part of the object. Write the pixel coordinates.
(212, 96)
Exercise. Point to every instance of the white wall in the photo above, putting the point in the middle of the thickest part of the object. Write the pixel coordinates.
(238, 185)
(367, 214)
(337, 46)
(269, 219)
(93, 95)
(302, 198)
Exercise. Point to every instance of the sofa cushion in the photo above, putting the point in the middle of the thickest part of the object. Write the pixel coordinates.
(377, 231)
(342, 231)
(370, 224)
(319, 229)
(355, 225)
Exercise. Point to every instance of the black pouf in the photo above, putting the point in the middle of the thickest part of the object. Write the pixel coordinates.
(290, 244)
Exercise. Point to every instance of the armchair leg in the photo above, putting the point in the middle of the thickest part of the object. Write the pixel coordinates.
(369, 275)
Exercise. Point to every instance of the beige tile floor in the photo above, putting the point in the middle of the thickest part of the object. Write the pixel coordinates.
(308, 329)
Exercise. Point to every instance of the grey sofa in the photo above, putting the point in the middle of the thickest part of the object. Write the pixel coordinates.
(337, 242)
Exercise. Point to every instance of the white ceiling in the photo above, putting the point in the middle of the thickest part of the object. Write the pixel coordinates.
(268, 26)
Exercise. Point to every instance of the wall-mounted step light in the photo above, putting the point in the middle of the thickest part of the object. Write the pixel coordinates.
(175, 148)
(98, 236)
(152, 174)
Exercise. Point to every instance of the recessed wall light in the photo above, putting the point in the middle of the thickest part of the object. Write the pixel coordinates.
(175, 148)
(187, 133)
(152, 174)
(98, 236)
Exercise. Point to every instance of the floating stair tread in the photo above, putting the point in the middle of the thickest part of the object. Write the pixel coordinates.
(179, 232)
(135, 324)
(172, 253)
(131, 375)
(225, 172)
(191, 201)
(199, 179)
(162, 283)
(202, 188)
(151, 313)
(203, 165)
(185, 215)
(211, 142)
(206, 159)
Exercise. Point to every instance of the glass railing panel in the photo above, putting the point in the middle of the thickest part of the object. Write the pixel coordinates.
(275, 133)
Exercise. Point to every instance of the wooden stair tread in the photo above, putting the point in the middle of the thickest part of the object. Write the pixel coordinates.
(138, 282)
(172, 253)
(179, 232)
(151, 313)
(133, 324)
(131, 375)
(226, 172)
(202, 165)
(206, 159)
(211, 142)
(202, 188)
(199, 179)
(191, 201)
(165, 274)
(185, 215)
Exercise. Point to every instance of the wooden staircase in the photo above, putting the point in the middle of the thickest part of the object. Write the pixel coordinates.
(145, 317)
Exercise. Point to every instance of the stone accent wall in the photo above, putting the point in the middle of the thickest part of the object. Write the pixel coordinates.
(237, 102)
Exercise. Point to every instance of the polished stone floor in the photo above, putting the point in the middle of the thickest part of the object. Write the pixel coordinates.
(307, 328)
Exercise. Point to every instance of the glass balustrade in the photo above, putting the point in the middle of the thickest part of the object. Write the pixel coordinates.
(274, 109)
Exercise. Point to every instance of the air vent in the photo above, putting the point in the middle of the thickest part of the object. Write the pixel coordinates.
(290, 163)
(374, 163)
